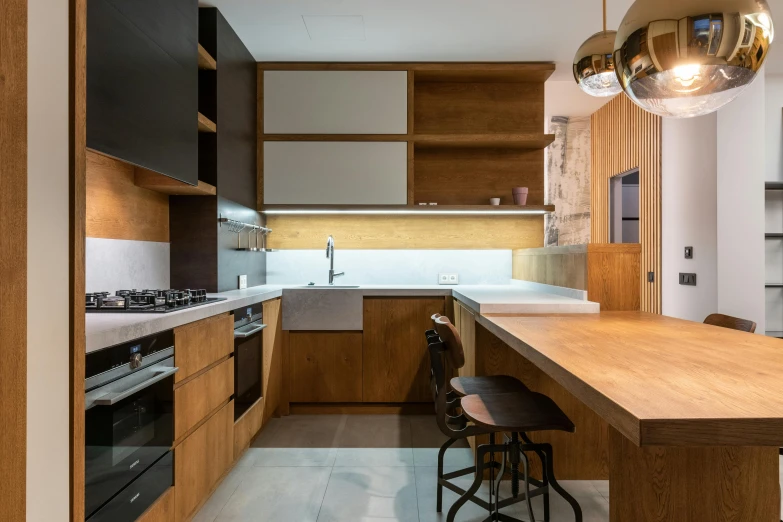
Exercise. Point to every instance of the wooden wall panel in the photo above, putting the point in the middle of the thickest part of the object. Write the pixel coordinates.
(613, 275)
(564, 266)
(400, 232)
(13, 258)
(625, 137)
(117, 208)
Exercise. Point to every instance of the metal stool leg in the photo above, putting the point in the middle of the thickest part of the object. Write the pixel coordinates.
(491, 470)
(514, 465)
(479, 478)
(529, 503)
(544, 476)
(441, 454)
(547, 448)
(497, 487)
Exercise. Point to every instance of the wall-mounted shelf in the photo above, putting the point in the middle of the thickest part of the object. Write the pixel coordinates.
(159, 183)
(334, 137)
(773, 285)
(205, 60)
(512, 141)
(409, 209)
(773, 185)
(775, 235)
(205, 124)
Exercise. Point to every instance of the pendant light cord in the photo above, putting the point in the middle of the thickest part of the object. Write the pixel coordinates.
(604, 15)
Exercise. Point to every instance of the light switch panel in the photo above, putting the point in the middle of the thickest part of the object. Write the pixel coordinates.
(242, 282)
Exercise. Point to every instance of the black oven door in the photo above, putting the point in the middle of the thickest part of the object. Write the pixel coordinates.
(248, 367)
(129, 426)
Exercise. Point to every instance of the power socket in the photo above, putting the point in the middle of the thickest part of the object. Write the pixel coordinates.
(242, 282)
(448, 279)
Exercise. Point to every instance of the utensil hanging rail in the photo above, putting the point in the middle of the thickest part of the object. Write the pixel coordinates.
(238, 226)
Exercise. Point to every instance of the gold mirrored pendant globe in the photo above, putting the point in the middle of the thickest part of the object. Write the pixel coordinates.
(594, 65)
(686, 58)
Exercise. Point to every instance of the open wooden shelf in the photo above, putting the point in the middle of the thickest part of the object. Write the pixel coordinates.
(150, 180)
(205, 60)
(334, 137)
(513, 141)
(205, 124)
(410, 209)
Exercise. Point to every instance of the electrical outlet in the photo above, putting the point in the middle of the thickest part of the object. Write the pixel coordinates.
(688, 252)
(688, 279)
(242, 282)
(448, 279)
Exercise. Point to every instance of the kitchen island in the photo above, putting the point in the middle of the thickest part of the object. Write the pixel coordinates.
(685, 419)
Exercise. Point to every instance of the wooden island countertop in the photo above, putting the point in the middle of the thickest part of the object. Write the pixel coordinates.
(658, 380)
(685, 419)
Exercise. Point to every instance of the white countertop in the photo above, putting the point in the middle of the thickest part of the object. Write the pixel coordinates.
(107, 329)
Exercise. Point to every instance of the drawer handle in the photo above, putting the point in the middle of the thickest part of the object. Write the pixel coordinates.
(242, 335)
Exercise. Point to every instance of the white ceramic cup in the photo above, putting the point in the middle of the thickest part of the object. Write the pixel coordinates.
(494, 201)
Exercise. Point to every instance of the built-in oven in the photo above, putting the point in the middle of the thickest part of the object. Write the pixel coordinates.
(248, 352)
(129, 427)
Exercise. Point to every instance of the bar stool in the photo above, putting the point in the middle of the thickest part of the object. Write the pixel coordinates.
(516, 412)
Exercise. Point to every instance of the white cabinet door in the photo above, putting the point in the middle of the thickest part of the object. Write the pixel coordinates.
(335, 102)
(335, 173)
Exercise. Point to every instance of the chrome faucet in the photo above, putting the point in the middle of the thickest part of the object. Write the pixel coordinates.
(330, 256)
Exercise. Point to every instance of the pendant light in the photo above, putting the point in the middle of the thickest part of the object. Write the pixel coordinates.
(594, 64)
(682, 59)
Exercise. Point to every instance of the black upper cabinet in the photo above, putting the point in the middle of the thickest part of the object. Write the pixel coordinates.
(142, 83)
(228, 97)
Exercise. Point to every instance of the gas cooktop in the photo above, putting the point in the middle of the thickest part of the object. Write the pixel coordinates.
(147, 301)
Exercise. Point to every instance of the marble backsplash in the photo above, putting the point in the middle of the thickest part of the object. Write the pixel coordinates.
(418, 267)
(116, 264)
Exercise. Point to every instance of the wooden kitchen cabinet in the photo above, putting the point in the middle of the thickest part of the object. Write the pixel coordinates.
(465, 323)
(325, 366)
(202, 343)
(199, 397)
(396, 366)
(201, 460)
(142, 84)
(272, 380)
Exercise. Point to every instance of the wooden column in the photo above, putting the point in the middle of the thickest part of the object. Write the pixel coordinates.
(13, 258)
(692, 484)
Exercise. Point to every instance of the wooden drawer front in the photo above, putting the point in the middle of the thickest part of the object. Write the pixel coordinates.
(199, 344)
(201, 460)
(195, 399)
(326, 366)
(396, 363)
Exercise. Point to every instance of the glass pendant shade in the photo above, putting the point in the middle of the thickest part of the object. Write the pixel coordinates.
(682, 59)
(594, 65)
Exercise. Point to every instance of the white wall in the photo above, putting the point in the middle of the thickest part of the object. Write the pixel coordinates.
(565, 98)
(773, 94)
(416, 267)
(689, 216)
(741, 172)
(47, 263)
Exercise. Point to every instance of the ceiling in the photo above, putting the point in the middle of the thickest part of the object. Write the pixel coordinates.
(428, 30)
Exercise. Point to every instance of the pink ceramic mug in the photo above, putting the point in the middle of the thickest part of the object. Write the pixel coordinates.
(520, 195)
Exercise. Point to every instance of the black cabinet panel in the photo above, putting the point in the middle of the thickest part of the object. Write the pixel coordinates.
(230, 93)
(142, 83)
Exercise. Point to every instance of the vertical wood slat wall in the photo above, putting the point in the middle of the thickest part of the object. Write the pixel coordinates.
(625, 137)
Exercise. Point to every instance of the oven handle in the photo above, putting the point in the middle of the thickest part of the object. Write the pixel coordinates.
(242, 335)
(110, 399)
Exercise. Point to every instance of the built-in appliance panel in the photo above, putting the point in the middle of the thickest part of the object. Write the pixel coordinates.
(135, 499)
(248, 357)
(197, 398)
(202, 343)
(335, 102)
(335, 173)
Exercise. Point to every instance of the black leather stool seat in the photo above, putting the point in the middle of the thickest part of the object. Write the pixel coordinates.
(486, 385)
(515, 412)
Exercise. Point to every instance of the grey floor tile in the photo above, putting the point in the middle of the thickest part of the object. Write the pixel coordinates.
(220, 497)
(293, 457)
(370, 494)
(602, 486)
(302, 431)
(369, 457)
(454, 457)
(275, 494)
(376, 431)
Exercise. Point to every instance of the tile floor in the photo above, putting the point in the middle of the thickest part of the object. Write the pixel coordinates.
(362, 468)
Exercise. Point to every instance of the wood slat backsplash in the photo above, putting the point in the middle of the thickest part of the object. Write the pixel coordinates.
(625, 137)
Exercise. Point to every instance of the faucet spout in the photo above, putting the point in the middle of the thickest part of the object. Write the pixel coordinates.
(330, 256)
